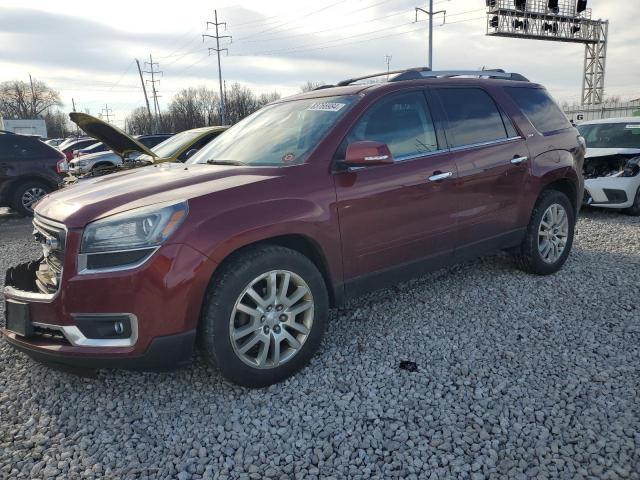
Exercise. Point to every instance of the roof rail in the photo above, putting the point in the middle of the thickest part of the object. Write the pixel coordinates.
(357, 79)
(494, 73)
(425, 72)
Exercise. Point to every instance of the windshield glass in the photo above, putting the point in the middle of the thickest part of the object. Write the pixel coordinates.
(172, 145)
(277, 135)
(611, 135)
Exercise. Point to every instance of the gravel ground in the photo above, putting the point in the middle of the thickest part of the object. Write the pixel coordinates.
(518, 377)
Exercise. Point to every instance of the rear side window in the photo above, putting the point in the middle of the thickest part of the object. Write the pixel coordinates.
(473, 117)
(539, 108)
(17, 147)
(402, 121)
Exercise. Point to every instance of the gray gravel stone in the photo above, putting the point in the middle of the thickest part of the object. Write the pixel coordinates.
(518, 377)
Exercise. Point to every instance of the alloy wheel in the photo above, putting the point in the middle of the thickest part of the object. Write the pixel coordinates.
(31, 196)
(271, 319)
(553, 233)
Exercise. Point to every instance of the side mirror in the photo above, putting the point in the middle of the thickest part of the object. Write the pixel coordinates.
(190, 153)
(365, 153)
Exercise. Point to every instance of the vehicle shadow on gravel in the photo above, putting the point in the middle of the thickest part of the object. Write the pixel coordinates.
(517, 374)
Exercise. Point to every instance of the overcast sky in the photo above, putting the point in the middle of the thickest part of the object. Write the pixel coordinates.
(86, 50)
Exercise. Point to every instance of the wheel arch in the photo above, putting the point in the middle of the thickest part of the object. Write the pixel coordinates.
(11, 189)
(302, 244)
(568, 187)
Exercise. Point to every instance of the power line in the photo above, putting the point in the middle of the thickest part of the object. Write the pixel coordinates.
(324, 47)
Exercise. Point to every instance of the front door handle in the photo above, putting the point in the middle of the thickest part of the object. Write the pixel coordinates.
(518, 160)
(440, 176)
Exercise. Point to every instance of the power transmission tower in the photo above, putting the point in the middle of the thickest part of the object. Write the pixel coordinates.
(153, 72)
(431, 14)
(387, 58)
(106, 112)
(217, 36)
(146, 98)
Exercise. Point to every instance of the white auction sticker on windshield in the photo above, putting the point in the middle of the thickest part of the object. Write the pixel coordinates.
(326, 107)
(633, 125)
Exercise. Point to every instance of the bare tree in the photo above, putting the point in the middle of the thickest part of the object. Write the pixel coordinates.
(307, 87)
(22, 100)
(195, 107)
(57, 122)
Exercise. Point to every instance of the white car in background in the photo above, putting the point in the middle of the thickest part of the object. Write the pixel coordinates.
(612, 163)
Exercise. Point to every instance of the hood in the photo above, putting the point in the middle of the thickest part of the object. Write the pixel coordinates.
(111, 136)
(94, 198)
(605, 152)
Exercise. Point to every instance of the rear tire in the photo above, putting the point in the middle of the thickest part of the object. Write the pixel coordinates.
(26, 194)
(634, 210)
(248, 329)
(549, 235)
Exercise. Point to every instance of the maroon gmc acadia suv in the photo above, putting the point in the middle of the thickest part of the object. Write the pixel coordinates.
(310, 201)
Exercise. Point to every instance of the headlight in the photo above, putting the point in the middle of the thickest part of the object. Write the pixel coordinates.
(81, 163)
(127, 239)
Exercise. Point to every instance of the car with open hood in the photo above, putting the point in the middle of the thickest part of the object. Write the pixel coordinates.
(612, 163)
(133, 151)
(308, 202)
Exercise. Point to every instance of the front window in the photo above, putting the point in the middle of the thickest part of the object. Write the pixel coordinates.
(611, 135)
(172, 145)
(277, 135)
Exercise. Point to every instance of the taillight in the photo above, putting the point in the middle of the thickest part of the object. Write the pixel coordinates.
(69, 155)
(62, 166)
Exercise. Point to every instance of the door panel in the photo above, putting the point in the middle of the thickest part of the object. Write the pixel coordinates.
(489, 188)
(392, 214)
(484, 144)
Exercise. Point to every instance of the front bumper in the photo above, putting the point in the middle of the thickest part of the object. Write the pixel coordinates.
(163, 295)
(611, 192)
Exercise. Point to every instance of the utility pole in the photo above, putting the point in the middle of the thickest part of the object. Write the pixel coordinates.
(33, 97)
(73, 102)
(156, 105)
(106, 112)
(146, 98)
(217, 36)
(387, 58)
(431, 14)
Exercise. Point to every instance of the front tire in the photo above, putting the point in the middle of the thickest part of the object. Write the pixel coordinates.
(634, 210)
(264, 315)
(26, 194)
(549, 235)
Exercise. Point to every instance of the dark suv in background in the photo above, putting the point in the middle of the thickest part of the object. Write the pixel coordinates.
(310, 201)
(29, 169)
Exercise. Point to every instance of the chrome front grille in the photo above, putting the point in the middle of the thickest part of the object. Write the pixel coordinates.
(52, 236)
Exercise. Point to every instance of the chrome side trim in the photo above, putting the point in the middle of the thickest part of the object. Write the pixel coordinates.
(76, 338)
(83, 260)
(485, 144)
(414, 156)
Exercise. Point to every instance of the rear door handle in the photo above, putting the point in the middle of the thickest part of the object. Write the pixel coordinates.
(518, 160)
(440, 176)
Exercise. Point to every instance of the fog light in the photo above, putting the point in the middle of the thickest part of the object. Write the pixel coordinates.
(104, 326)
(118, 327)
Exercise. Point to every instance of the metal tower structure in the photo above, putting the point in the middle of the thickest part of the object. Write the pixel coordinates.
(558, 21)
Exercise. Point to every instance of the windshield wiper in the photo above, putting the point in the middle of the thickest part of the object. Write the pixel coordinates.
(225, 162)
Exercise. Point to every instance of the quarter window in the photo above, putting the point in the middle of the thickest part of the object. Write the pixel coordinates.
(403, 122)
(539, 108)
(473, 117)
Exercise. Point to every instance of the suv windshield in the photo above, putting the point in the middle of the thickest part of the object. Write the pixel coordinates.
(172, 145)
(280, 134)
(611, 135)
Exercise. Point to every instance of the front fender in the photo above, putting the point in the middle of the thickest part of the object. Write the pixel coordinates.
(219, 235)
